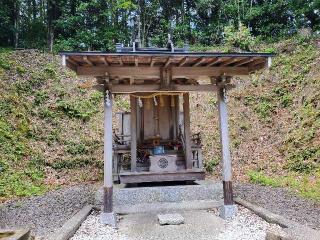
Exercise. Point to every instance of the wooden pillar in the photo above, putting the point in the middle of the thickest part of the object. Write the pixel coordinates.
(229, 207)
(108, 216)
(187, 134)
(133, 120)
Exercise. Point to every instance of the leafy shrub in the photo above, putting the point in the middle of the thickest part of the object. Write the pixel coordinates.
(239, 38)
(46, 112)
(40, 97)
(4, 63)
(260, 178)
(264, 108)
(50, 71)
(21, 70)
(305, 160)
(21, 183)
(211, 165)
(81, 108)
(283, 95)
(73, 163)
(76, 148)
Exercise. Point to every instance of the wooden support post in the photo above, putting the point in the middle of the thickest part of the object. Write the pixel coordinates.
(228, 210)
(187, 135)
(133, 105)
(173, 126)
(108, 216)
(177, 113)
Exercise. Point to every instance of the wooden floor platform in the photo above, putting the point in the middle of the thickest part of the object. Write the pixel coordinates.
(182, 175)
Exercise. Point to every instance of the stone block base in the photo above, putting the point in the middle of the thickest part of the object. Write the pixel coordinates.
(109, 219)
(228, 211)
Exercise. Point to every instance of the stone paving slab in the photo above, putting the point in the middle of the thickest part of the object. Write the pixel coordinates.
(199, 225)
(170, 219)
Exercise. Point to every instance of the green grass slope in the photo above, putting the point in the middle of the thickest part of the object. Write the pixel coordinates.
(274, 121)
(49, 125)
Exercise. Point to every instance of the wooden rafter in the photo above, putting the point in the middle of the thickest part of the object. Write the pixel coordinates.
(230, 61)
(214, 61)
(243, 61)
(70, 60)
(167, 62)
(152, 61)
(136, 61)
(120, 61)
(85, 58)
(104, 60)
(183, 61)
(200, 61)
(256, 62)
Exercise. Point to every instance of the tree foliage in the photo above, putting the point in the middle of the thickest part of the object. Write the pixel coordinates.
(99, 24)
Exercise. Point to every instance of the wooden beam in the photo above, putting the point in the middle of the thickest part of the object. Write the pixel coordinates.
(121, 89)
(194, 72)
(154, 72)
(138, 177)
(200, 61)
(133, 122)
(122, 72)
(214, 61)
(85, 58)
(187, 134)
(183, 61)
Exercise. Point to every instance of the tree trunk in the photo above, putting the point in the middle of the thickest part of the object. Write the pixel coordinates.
(51, 12)
(16, 23)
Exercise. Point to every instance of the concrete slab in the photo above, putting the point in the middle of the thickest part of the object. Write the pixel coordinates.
(200, 225)
(152, 199)
(71, 226)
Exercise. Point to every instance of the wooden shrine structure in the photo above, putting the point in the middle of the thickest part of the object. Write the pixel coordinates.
(155, 136)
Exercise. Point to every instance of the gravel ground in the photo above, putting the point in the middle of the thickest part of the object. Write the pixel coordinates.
(44, 214)
(245, 226)
(280, 201)
(92, 229)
